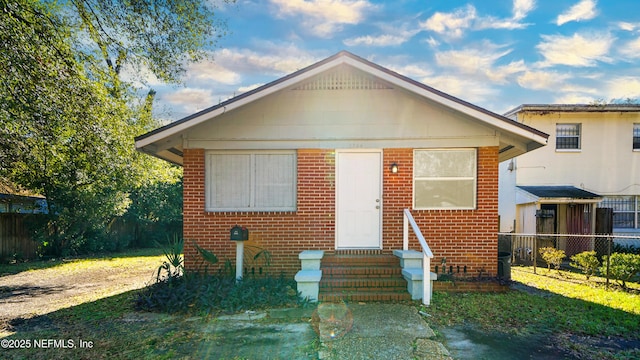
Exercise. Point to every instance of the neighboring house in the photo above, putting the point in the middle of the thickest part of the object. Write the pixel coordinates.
(327, 158)
(20, 204)
(592, 160)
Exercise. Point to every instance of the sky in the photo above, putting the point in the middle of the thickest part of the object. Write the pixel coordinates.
(496, 54)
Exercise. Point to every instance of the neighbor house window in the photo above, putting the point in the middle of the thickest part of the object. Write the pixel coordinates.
(251, 181)
(626, 210)
(444, 179)
(636, 136)
(568, 136)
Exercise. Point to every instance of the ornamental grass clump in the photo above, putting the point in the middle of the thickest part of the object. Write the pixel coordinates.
(587, 262)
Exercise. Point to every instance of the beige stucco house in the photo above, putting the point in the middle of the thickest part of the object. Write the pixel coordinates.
(592, 160)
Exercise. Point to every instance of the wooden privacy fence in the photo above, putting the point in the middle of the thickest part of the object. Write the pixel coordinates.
(15, 240)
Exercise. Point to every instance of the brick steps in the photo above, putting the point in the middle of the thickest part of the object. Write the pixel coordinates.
(362, 277)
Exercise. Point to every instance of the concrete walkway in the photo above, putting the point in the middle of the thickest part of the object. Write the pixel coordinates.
(375, 331)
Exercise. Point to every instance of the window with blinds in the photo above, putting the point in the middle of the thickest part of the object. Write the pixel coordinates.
(568, 137)
(250, 181)
(636, 136)
(444, 179)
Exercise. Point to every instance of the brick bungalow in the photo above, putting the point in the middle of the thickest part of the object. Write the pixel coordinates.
(327, 158)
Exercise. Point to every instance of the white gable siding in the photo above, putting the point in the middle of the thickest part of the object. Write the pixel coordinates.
(340, 119)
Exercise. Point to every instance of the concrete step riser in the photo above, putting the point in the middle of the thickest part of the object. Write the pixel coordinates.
(362, 278)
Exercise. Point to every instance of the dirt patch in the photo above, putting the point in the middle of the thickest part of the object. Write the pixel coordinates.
(32, 293)
(597, 347)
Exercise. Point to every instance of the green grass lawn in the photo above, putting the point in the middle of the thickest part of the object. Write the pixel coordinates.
(554, 304)
(581, 315)
(77, 262)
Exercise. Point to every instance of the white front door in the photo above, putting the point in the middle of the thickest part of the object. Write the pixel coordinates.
(358, 199)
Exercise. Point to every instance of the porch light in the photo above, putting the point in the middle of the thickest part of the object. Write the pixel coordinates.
(394, 168)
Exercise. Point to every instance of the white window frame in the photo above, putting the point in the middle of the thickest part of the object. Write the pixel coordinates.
(578, 127)
(636, 134)
(450, 178)
(253, 181)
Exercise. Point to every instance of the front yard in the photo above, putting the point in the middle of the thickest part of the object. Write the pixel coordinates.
(560, 312)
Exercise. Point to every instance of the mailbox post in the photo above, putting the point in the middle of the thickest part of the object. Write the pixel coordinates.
(239, 234)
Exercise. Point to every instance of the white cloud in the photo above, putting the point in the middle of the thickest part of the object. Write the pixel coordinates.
(480, 62)
(382, 40)
(211, 70)
(190, 99)
(451, 24)
(470, 60)
(501, 73)
(324, 17)
(454, 24)
(623, 87)
(267, 58)
(584, 10)
(393, 34)
(414, 71)
(461, 87)
(574, 98)
(521, 8)
(432, 42)
(631, 49)
(576, 50)
(541, 80)
(627, 26)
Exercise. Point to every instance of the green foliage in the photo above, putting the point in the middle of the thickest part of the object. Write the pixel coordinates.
(552, 256)
(67, 122)
(626, 249)
(203, 293)
(622, 267)
(159, 37)
(173, 266)
(155, 210)
(587, 262)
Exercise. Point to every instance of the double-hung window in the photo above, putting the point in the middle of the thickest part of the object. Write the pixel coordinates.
(444, 179)
(636, 137)
(250, 181)
(568, 137)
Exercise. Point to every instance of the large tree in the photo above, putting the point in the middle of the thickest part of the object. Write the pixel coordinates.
(67, 120)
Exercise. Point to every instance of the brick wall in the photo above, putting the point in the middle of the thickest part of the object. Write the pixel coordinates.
(284, 234)
(464, 237)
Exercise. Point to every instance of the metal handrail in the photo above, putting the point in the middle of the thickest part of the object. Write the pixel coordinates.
(427, 255)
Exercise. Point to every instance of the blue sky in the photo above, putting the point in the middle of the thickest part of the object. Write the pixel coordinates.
(497, 54)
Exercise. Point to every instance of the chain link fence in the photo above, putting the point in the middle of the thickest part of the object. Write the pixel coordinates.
(524, 249)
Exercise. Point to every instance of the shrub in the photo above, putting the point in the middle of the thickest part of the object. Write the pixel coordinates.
(587, 262)
(202, 293)
(627, 249)
(622, 267)
(552, 256)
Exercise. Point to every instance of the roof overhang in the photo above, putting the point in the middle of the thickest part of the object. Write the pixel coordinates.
(555, 195)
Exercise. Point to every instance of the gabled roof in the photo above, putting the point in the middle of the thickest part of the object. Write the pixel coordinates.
(162, 142)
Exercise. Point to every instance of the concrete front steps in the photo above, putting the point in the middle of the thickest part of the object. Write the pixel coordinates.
(361, 276)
